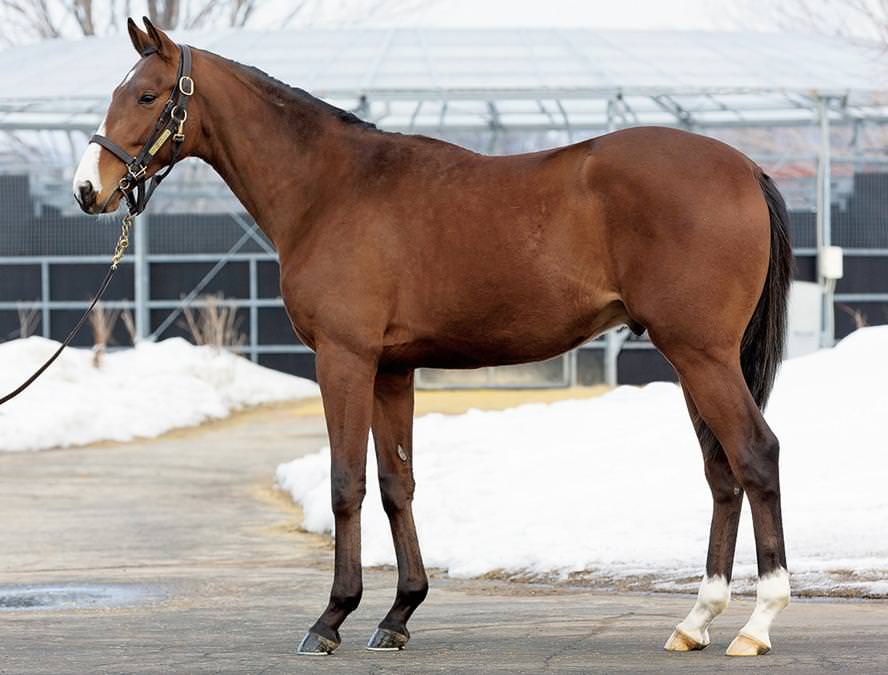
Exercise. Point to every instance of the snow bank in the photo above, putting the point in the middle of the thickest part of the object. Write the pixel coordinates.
(140, 392)
(613, 487)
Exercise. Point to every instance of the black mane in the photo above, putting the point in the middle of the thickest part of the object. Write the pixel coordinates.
(286, 91)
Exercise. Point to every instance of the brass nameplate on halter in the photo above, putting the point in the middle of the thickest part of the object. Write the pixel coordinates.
(159, 142)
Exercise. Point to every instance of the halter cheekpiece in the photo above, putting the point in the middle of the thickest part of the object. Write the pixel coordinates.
(170, 124)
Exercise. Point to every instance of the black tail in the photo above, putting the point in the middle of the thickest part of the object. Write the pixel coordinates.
(762, 347)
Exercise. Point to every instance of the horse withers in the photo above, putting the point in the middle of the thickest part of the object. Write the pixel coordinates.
(400, 251)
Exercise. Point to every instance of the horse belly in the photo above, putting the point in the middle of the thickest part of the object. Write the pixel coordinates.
(505, 334)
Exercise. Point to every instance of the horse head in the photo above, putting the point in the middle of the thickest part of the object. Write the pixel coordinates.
(143, 128)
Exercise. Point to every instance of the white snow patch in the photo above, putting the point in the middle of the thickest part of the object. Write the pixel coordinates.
(139, 392)
(614, 486)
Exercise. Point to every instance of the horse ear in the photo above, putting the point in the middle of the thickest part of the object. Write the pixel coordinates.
(161, 42)
(138, 37)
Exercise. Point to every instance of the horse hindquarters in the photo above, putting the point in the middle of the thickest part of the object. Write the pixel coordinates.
(726, 389)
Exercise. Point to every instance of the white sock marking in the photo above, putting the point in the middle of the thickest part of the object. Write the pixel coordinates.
(712, 599)
(772, 595)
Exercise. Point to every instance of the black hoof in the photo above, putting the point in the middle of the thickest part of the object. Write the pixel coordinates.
(316, 645)
(385, 640)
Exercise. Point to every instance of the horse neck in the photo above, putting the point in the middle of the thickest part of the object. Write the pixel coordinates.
(278, 154)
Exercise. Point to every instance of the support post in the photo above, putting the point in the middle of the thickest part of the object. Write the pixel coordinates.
(824, 224)
(254, 311)
(45, 297)
(141, 278)
(613, 342)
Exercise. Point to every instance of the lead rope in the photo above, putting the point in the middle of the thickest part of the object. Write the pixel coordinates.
(133, 187)
(119, 251)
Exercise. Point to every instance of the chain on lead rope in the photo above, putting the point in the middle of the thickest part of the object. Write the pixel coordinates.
(123, 241)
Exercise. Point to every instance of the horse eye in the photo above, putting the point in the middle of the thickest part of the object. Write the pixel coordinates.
(145, 99)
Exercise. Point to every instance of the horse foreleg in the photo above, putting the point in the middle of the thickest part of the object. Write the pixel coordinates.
(393, 436)
(720, 393)
(727, 500)
(346, 382)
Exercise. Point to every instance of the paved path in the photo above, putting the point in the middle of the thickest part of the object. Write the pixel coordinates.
(192, 517)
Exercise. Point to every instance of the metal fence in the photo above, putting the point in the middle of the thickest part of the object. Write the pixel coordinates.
(52, 257)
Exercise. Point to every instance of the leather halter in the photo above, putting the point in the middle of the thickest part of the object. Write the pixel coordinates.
(170, 124)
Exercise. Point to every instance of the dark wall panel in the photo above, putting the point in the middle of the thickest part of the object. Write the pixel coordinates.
(275, 328)
(640, 366)
(864, 275)
(301, 364)
(170, 281)
(805, 268)
(19, 282)
(80, 282)
(268, 275)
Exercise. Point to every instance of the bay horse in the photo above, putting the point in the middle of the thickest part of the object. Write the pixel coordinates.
(400, 251)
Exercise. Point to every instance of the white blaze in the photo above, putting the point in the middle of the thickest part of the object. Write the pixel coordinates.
(88, 169)
(712, 599)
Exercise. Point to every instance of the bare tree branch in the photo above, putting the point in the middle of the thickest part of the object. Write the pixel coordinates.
(24, 21)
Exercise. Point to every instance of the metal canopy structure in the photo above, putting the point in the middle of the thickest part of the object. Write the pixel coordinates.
(453, 79)
(574, 82)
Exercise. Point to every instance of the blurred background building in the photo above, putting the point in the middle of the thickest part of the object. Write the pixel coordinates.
(812, 109)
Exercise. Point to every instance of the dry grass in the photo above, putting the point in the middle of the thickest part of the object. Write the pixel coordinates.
(129, 323)
(102, 322)
(215, 323)
(27, 317)
(857, 316)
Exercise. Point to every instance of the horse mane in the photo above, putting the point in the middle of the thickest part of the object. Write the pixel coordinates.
(297, 95)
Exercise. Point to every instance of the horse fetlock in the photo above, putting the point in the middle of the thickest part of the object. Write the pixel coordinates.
(772, 595)
(347, 601)
(412, 593)
(712, 599)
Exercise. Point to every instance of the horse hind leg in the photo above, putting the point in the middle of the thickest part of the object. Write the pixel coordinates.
(727, 499)
(393, 437)
(720, 393)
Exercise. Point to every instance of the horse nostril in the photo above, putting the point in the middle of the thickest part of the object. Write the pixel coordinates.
(86, 193)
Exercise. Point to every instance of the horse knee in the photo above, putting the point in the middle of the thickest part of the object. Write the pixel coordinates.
(757, 467)
(348, 495)
(397, 492)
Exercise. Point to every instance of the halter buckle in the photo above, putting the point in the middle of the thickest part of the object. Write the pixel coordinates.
(186, 85)
(179, 136)
(136, 175)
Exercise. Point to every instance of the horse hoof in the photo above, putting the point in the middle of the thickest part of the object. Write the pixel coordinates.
(744, 645)
(316, 645)
(682, 642)
(385, 640)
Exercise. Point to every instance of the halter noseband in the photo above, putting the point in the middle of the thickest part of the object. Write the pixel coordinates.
(171, 123)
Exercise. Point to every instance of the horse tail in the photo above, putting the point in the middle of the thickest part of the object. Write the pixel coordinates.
(761, 349)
